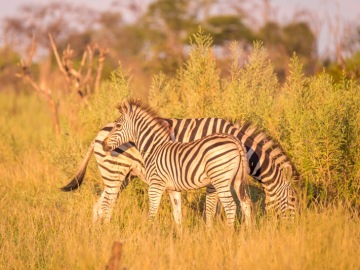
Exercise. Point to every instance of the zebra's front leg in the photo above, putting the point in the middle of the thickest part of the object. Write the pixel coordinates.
(103, 208)
(175, 198)
(227, 200)
(210, 204)
(156, 189)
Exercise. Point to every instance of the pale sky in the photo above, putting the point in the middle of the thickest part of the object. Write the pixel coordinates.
(348, 11)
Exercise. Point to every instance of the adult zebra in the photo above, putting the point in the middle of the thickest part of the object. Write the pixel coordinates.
(217, 159)
(267, 162)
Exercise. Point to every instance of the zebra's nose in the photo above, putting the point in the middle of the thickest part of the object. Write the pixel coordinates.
(105, 146)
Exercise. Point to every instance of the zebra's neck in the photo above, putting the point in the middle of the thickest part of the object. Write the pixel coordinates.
(149, 134)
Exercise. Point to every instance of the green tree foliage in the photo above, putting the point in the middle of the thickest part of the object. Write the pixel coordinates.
(171, 14)
(167, 25)
(225, 28)
(271, 34)
(283, 41)
(126, 40)
(299, 38)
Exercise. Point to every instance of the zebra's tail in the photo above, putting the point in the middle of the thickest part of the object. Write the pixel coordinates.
(242, 172)
(241, 179)
(78, 178)
(243, 169)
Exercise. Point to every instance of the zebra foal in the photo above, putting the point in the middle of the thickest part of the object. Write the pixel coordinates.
(218, 160)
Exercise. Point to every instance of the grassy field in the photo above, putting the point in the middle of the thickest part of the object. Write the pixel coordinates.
(316, 121)
(43, 228)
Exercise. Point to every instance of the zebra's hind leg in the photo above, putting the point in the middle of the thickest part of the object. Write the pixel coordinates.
(175, 197)
(210, 204)
(103, 208)
(227, 200)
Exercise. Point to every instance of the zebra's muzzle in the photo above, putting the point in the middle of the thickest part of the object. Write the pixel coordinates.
(106, 147)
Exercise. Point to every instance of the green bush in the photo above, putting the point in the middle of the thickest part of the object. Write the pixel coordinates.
(195, 90)
(314, 119)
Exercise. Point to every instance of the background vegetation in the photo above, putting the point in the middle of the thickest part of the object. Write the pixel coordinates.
(313, 113)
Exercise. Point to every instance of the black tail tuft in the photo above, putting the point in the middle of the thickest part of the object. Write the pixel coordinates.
(77, 180)
(75, 183)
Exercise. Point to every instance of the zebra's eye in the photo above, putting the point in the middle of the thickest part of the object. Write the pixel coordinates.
(292, 199)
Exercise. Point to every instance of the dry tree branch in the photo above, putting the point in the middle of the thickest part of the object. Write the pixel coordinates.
(90, 53)
(65, 66)
(103, 54)
(82, 78)
(61, 67)
(83, 60)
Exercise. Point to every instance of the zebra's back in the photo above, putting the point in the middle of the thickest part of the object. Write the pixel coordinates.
(191, 165)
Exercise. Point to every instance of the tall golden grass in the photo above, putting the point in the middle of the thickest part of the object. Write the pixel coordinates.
(42, 228)
(314, 119)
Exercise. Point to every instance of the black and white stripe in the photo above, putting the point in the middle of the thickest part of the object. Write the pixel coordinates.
(267, 162)
(217, 159)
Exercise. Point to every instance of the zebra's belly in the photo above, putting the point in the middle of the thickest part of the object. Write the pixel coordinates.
(187, 184)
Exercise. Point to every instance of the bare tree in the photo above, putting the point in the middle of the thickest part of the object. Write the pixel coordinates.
(41, 88)
(83, 80)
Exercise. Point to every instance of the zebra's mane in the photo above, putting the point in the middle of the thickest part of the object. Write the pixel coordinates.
(132, 103)
(269, 145)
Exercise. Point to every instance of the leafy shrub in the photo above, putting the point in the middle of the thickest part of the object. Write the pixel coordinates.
(315, 119)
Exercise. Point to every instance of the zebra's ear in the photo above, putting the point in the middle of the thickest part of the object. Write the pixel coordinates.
(288, 172)
(125, 107)
(168, 127)
(122, 107)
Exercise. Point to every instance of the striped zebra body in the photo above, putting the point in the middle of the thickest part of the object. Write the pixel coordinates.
(268, 164)
(117, 170)
(217, 159)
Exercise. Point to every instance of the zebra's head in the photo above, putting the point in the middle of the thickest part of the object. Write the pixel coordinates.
(137, 122)
(283, 199)
(121, 132)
